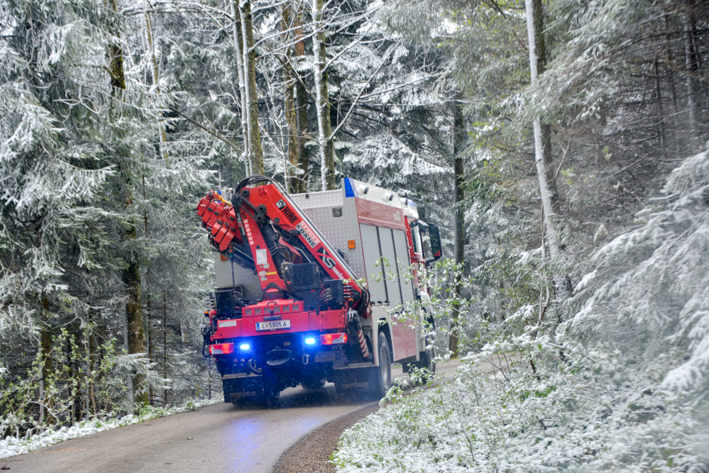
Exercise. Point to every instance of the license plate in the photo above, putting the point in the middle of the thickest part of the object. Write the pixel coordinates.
(273, 325)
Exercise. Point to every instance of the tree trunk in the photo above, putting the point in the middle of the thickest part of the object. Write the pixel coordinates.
(150, 334)
(47, 366)
(660, 112)
(156, 80)
(255, 152)
(131, 273)
(692, 67)
(76, 372)
(239, 53)
(164, 342)
(134, 315)
(322, 106)
(458, 130)
(539, 149)
(301, 103)
(673, 91)
(90, 356)
(540, 50)
(290, 81)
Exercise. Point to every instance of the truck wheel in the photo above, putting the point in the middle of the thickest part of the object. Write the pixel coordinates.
(428, 363)
(383, 371)
(430, 355)
(271, 390)
(270, 396)
(271, 399)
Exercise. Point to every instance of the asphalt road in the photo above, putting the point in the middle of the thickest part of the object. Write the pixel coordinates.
(220, 438)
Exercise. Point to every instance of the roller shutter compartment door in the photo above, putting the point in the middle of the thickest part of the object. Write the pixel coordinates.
(403, 335)
(376, 281)
(390, 267)
(402, 255)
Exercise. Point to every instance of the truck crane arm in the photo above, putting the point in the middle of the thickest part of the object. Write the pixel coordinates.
(262, 228)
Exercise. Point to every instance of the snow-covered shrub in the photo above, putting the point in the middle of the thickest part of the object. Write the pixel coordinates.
(619, 386)
(481, 308)
(650, 292)
(584, 417)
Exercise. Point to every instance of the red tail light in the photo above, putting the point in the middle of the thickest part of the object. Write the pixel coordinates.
(221, 349)
(333, 338)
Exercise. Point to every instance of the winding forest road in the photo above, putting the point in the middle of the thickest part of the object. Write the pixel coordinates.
(219, 438)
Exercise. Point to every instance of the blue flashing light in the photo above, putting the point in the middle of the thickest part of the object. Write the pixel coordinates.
(349, 190)
(245, 347)
(310, 340)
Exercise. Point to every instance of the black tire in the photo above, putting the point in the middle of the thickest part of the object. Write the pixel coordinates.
(271, 399)
(383, 371)
(430, 353)
(271, 390)
(431, 364)
(428, 363)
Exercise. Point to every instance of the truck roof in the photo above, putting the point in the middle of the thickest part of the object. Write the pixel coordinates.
(362, 190)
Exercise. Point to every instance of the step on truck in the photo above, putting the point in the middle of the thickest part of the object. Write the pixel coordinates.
(308, 287)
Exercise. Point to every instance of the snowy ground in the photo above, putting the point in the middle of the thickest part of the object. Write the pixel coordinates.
(620, 385)
(507, 421)
(11, 446)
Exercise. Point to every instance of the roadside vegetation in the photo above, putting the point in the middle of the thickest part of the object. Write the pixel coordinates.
(560, 145)
(620, 384)
(600, 312)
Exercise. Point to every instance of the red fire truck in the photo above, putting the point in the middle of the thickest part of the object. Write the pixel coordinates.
(309, 286)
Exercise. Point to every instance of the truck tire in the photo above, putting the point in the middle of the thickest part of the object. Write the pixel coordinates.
(271, 389)
(383, 371)
(431, 365)
(430, 354)
(270, 398)
(427, 363)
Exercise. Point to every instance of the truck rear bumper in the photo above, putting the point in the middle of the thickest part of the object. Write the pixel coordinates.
(299, 322)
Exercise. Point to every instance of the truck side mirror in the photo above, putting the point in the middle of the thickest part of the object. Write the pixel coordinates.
(435, 237)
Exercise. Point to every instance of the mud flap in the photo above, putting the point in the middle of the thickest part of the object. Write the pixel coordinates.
(242, 387)
(360, 379)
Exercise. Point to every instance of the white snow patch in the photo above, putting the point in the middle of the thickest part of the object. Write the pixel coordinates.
(11, 446)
